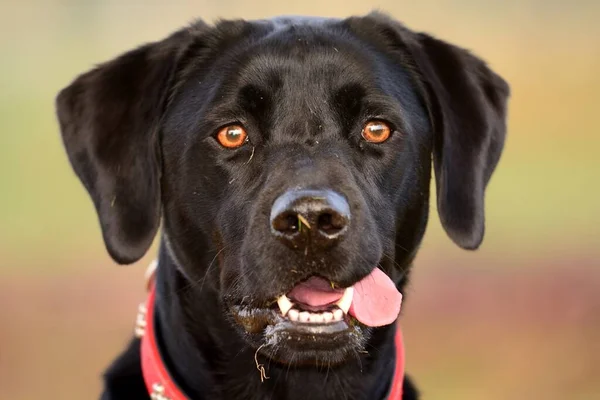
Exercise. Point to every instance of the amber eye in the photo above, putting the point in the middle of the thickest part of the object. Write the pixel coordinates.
(376, 131)
(232, 136)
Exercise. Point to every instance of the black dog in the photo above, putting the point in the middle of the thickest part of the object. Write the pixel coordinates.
(289, 161)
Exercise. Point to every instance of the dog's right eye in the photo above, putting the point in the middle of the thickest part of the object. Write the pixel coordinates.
(376, 131)
(232, 136)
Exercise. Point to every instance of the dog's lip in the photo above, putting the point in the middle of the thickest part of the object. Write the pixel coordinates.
(255, 319)
(314, 328)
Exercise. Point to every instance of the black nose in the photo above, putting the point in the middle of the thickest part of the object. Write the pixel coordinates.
(315, 218)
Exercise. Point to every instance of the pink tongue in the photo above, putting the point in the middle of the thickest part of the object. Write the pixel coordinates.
(315, 292)
(376, 300)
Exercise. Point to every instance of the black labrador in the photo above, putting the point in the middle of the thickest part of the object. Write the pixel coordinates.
(289, 161)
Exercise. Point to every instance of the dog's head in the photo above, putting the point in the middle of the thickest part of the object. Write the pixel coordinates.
(290, 162)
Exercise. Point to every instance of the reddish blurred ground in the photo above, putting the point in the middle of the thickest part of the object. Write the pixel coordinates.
(482, 334)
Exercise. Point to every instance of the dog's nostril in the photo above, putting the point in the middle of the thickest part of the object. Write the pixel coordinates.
(291, 223)
(325, 222)
(286, 224)
(331, 223)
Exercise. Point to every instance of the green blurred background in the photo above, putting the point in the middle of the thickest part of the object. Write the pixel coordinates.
(518, 319)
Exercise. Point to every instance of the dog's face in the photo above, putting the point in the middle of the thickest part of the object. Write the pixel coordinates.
(297, 154)
(290, 160)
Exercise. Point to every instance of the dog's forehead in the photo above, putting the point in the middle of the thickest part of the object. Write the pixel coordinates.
(305, 52)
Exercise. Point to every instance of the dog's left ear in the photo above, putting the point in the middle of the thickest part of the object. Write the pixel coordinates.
(467, 105)
(109, 119)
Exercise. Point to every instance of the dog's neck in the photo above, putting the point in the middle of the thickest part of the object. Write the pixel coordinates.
(210, 361)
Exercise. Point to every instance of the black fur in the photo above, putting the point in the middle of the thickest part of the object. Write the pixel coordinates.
(140, 134)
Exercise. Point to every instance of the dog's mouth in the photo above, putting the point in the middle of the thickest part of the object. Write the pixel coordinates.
(315, 315)
(316, 301)
(373, 301)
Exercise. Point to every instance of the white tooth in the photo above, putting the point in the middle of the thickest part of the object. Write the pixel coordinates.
(304, 316)
(346, 300)
(293, 314)
(338, 314)
(284, 304)
(316, 318)
(327, 316)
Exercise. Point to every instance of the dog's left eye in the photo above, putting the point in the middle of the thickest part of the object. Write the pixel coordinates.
(232, 136)
(376, 131)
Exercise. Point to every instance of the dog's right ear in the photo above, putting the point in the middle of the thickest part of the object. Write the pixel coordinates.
(109, 119)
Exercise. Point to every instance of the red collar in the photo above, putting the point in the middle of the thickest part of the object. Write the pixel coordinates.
(159, 383)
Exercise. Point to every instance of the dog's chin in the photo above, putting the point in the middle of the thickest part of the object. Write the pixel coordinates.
(300, 343)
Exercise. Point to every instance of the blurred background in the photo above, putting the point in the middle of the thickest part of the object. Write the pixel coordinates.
(518, 319)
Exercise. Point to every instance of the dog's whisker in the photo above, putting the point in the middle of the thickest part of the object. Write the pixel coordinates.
(327, 372)
(357, 356)
(393, 261)
(201, 281)
(210, 266)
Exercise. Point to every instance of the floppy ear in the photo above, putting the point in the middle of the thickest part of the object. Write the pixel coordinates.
(468, 106)
(109, 120)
